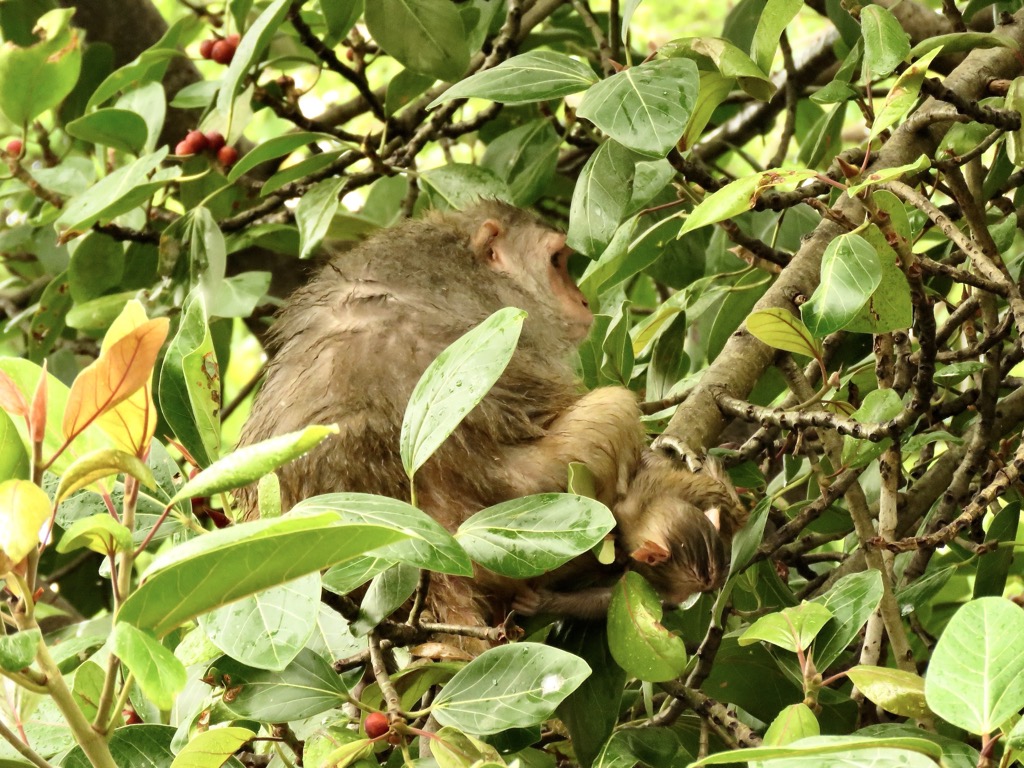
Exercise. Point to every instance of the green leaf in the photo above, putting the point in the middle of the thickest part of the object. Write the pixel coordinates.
(791, 628)
(727, 59)
(850, 273)
(528, 537)
(37, 78)
(140, 746)
(890, 307)
(455, 382)
(879, 406)
(18, 651)
(903, 94)
(427, 36)
(976, 674)
(249, 464)
(886, 45)
(50, 319)
(511, 686)
(1015, 139)
(256, 39)
(266, 630)
(388, 592)
(894, 690)
(795, 722)
(901, 752)
(99, 464)
(117, 128)
(774, 18)
(955, 42)
(306, 687)
(524, 158)
(428, 545)
(87, 688)
(739, 196)
(994, 567)
(180, 584)
(646, 107)
(458, 185)
(851, 601)
(601, 198)
(889, 174)
(123, 189)
(638, 641)
(189, 377)
(158, 672)
(100, 533)
(278, 146)
(781, 329)
(532, 76)
(148, 67)
(212, 748)
(315, 211)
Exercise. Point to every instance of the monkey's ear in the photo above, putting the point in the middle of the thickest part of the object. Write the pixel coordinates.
(651, 553)
(714, 514)
(483, 241)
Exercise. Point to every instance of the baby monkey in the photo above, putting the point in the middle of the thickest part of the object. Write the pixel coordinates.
(674, 526)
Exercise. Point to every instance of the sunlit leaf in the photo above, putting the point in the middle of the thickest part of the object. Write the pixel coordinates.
(638, 641)
(24, 507)
(783, 330)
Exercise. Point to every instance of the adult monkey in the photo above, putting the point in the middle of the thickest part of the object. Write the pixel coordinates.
(350, 346)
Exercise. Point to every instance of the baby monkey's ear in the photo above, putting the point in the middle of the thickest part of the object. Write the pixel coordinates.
(651, 553)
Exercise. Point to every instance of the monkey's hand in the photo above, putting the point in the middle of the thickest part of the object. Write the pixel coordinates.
(602, 430)
(529, 601)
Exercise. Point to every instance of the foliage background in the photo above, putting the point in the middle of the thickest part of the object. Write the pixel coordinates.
(806, 257)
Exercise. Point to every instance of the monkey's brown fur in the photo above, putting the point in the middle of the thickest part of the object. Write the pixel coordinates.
(674, 527)
(349, 347)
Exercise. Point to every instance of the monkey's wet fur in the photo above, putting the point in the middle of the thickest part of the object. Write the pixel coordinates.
(349, 347)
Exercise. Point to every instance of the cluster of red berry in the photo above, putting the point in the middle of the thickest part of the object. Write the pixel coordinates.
(220, 49)
(211, 141)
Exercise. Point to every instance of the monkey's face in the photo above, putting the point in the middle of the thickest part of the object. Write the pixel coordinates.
(536, 259)
(680, 552)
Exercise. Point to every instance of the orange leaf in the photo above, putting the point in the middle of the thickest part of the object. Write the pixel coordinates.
(37, 411)
(131, 423)
(11, 399)
(117, 373)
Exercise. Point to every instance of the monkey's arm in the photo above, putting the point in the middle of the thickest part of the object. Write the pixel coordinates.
(602, 430)
(589, 603)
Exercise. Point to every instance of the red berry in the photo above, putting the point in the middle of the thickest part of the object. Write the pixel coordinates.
(234, 38)
(198, 140)
(222, 52)
(376, 725)
(14, 147)
(214, 141)
(206, 47)
(184, 148)
(227, 156)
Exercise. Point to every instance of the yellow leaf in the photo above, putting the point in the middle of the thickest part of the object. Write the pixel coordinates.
(122, 369)
(782, 330)
(24, 507)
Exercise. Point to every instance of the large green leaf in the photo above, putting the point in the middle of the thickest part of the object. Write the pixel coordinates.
(851, 601)
(601, 198)
(428, 545)
(976, 675)
(528, 537)
(836, 752)
(512, 686)
(886, 45)
(117, 128)
(37, 78)
(455, 382)
(727, 59)
(158, 672)
(306, 687)
(646, 107)
(427, 36)
(266, 630)
(638, 641)
(772, 21)
(532, 76)
(225, 565)
(850, 273)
